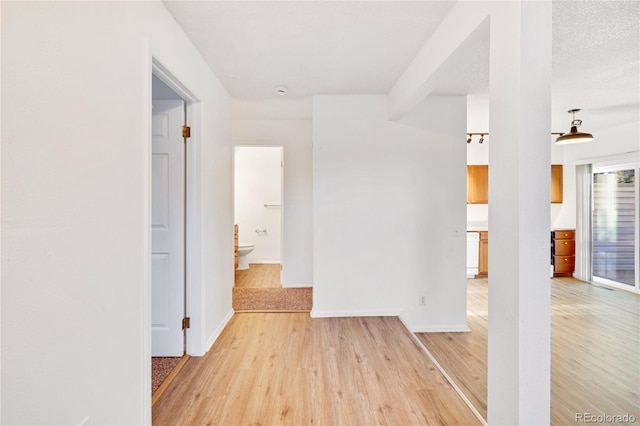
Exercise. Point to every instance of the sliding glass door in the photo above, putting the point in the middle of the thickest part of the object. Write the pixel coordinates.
(615, 217)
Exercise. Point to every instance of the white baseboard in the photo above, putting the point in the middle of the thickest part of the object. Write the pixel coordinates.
(297, 285)
(438, 328)
(264, 262)
(216, 333)
(315, 313)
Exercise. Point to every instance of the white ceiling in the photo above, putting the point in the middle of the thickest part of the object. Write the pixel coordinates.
(340, 47)
(309, 46)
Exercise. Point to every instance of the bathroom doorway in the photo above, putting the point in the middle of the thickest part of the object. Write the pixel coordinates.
(258, 177)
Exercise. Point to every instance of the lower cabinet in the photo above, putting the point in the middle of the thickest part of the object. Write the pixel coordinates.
(563, 251)
(483, 255)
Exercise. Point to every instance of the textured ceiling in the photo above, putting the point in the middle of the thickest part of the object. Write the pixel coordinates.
(337, 47)
(596, 60)
(596, 65)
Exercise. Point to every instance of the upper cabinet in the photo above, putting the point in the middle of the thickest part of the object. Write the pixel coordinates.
(478, 184)
(556, 183)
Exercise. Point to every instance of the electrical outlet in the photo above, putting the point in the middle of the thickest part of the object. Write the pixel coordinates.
(423, 301)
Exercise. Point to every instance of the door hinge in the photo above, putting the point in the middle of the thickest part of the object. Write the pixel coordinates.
(186, 131)
(186, 323)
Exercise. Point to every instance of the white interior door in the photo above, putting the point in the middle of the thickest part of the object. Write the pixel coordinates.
(168, 251)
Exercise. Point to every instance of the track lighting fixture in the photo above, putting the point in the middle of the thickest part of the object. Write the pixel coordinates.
(482, 135)
(574, 136)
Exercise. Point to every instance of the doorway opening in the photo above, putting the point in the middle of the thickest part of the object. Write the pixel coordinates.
(258, 206)
(170, 162)
(258, 180)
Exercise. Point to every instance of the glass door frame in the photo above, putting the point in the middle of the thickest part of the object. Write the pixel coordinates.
(604, 168)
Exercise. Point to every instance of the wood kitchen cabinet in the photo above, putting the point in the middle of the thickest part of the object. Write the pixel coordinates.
(556, 183)
(563, 253)
(483, 255)
(563, 250)
(478, 184)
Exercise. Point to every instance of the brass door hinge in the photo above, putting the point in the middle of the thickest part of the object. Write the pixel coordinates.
(186, 131)
(186, 323)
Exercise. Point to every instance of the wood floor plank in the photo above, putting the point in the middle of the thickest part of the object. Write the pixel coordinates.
(167, 381)
(259, 276)
(290, 369)
(595, 348)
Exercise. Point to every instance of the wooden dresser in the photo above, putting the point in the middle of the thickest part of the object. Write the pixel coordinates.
(563, 250)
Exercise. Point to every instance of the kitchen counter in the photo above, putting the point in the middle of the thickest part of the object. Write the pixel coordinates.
(484, 228)
(477, 226)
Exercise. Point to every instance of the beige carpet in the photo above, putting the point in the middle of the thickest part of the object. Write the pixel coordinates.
(273, 299)
(160, 369)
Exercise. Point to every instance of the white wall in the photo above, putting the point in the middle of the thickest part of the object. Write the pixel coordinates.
(258, 182)
(76, 206)
(388, 198)
(294, 135)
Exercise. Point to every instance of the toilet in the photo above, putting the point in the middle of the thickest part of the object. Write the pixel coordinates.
(243, 251)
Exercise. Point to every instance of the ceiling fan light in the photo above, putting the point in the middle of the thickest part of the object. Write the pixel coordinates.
(574, 136)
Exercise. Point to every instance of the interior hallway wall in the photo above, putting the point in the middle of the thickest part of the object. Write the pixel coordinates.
(76, 206)
(286, 124)
(389, 210)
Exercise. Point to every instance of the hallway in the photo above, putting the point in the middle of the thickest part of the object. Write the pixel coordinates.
(291, 369)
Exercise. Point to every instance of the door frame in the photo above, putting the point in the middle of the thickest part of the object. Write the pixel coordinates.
(193, 197)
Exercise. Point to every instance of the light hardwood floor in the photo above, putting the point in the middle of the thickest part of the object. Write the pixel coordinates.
(288, 368)
(595, 350)
(259, 276)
